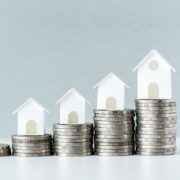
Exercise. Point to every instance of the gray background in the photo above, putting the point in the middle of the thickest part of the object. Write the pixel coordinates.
(49, 46)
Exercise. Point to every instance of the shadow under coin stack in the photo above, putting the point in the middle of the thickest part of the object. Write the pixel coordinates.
(5, 150)
(32, 145)
(156, 126)
(73, 139)
(114, 132)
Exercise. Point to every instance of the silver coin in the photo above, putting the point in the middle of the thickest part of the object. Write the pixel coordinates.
(155, 147)
(156, 126)
(114, 147)
(58, 133)
(154, 136)
(86, 130)
(155, 100)
(73, 154)
(155, 104)
(172, 133)
(114, 150)
(114, 154)
(57, 143)
(155, 153)
(155, 115)
(126, 116)
(141, 143)
(113, 134)
(156, 130)
(114, 112)
(142, 122)
(31, 137)
(113, 119)
(155, 111)
(4, 146)
(161, 139)
(113, 137)
(5, 154)
(74, 126)
(73, 140)
(31, 151)
(72, 137)
(114, 126)
(31, 147)
(32, 155)
(73, 147)
(115, 129)
(114, 140)
(72, 151)
(114, 143)
(155, 108)
(32, 144)
(123, 123)
(140, 149)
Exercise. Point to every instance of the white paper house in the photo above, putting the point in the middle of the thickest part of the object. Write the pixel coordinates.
(72, 108)
(31, 118)
(154, 77)
(111, 93)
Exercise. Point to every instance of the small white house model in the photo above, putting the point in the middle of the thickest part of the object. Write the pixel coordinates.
(72, 108)
(154, 77)
(111, 93)
(31, 117)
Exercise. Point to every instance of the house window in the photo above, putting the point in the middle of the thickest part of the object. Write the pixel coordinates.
(153, 65)
(153, 91)
(31, 127)
(111, 103)
(73, 118)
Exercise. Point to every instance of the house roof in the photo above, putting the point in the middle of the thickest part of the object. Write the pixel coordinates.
(110, 75)
(154, 52)
(28, 102)
(72, 90)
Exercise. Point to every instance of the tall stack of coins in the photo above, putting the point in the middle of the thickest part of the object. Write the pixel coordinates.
(5, 150)
(32, 145)
(73, 139)
(156, 126)
(114, 132)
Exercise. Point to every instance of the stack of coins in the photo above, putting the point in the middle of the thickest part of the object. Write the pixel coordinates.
(114, 132)
(5, 150)
(73, 139)
(156, 126)
(32, 145)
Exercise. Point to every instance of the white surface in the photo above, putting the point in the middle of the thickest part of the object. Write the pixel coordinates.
(93, 167)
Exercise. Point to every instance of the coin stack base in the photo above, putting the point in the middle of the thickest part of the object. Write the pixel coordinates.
(5, 150)
(73, 139)
(114, 132)
(156, 127)
(32, 145)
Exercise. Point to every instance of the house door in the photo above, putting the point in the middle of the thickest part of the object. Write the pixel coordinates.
(153, 91)
(31, 127)
(111, 103)
(73, 118)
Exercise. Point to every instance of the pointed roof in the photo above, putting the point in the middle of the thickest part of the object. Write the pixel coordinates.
(71, 91)
(30, 100)
(146, 58)
(110, 75)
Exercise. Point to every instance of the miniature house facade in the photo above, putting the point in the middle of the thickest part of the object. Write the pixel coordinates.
(72, 108)
(31, 118)
(154, 77)
(111, 93)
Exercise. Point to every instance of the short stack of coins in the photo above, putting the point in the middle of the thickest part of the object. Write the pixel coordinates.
(32, 145)
(156, 126)
(73, 139)
(114, 132)
(5, 150)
